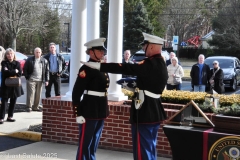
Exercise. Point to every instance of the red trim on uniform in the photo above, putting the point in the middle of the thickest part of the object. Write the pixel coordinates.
(81, 142)
(141, 62)
(205, 143)
(139, 147)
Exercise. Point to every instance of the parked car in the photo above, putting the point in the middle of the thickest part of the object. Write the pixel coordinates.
(66, 72)
(140, 55)
(230, 67)
(21, 58)
(66, 57)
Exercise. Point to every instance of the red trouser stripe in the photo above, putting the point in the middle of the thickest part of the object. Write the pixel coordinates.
(139, 147)
(81, 142)
(205, 143)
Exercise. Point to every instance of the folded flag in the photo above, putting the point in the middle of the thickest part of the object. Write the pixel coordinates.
(128, 83)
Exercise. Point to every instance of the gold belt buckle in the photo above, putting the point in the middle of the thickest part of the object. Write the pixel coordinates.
(106, 93)
(136, 89)
(138, 101)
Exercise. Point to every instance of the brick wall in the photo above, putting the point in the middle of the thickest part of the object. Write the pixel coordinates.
(59, 125)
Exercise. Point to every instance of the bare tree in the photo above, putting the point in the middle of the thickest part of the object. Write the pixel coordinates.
(15, 14)
(188, 18)
(30, 18)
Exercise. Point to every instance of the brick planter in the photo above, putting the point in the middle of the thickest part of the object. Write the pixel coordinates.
(59, 125)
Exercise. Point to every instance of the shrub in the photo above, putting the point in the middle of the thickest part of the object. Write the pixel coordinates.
(229, 104)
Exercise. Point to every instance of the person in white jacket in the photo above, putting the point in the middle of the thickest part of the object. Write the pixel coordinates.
(175, 74)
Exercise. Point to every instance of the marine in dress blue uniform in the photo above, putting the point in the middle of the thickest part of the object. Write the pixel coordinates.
(146, 110)
(91, 111)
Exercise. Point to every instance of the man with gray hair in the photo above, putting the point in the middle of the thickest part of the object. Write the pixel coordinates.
(200, 74)
(171, 55)
(36, 72)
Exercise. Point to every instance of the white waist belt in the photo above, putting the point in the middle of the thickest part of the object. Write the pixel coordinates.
(94, 93)
(150, 94)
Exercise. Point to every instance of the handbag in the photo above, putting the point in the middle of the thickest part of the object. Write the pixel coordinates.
(212, 78)
(13, 82)
(176, 80)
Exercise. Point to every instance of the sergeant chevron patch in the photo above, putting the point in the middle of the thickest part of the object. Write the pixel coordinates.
(82, 74)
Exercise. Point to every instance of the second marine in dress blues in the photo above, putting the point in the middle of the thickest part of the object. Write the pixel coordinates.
(91, 111)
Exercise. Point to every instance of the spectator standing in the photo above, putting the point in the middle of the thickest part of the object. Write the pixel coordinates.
(174, 70)
(36, 72)
(91, 111)
(171, 55)
(126, 59)
(56, 67)
(200, 74)
(10, 68)
(216, 80)
(146, 111)
(2, 53)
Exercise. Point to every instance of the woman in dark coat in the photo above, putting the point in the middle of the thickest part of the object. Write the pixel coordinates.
(216, 80)
(10, 68)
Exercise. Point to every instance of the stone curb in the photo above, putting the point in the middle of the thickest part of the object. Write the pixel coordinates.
(28, 135)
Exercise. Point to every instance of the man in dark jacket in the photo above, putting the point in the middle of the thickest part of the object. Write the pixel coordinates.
(91, 111)
(36, 72)
(126, 59)
(200, 74)
(56, 67)
(146, 111)
(169, 61)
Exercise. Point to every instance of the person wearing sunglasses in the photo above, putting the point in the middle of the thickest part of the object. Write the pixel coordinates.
(216, 80)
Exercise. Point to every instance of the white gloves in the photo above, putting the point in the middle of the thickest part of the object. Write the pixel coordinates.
(94, 65)
(80, 119)
(138, 103)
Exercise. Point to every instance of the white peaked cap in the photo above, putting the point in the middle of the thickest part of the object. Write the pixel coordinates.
(148, 38)
(96, 44)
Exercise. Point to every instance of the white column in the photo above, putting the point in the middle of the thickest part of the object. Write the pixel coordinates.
(78, 38)
(114, 47)
(93, 20)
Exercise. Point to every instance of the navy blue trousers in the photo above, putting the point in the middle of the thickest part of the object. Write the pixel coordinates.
(89, 136)
(145, 141)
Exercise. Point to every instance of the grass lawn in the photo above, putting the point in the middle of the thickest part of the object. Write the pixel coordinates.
(187, 73)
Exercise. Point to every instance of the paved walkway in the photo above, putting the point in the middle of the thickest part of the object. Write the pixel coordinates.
(46, 150)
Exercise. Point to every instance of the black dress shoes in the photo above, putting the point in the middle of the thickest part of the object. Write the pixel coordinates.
(10, 119)
(1, 121)
(29, 109)
(37, 110)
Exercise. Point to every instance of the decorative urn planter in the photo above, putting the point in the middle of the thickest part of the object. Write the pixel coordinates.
(227, 124)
